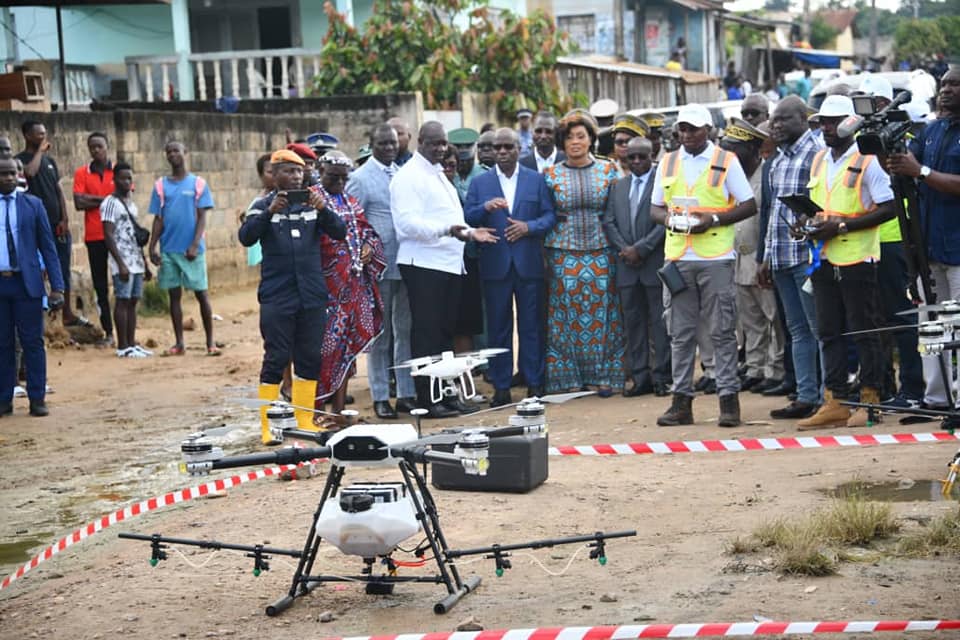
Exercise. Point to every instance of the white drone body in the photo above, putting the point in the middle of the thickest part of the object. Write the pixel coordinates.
(368, 519)
(680, 220)
(448, 369)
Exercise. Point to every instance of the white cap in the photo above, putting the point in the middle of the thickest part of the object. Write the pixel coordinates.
(877, 86)
(836, 106)
(695, 115)
(917, 109)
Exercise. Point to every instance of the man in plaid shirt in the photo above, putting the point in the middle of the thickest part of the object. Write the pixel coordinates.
(785, 259)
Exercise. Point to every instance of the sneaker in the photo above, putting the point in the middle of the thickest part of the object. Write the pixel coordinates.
(123, 353)
(19, 392)
(133, 352)
(145, 352)
(901, 401)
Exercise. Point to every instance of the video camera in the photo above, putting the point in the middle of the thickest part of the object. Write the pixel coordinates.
(881, 132)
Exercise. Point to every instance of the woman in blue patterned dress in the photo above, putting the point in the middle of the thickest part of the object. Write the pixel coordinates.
(585, 344)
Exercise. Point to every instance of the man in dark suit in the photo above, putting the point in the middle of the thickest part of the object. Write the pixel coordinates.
(515, 202)
(639, 243)
(544, 153)
(25, 235)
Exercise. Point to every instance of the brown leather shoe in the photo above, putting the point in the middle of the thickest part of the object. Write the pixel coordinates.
(830, 415)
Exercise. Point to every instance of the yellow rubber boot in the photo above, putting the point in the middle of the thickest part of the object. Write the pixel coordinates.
(268, 392)
(861, 417)
(830, 414)
(304, 394)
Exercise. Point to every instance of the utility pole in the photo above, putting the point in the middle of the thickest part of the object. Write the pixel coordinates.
(805, 24)
(873, 28)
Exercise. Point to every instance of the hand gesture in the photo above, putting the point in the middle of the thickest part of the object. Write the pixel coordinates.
(496, 203)
(704, 222)
(192, 252)
(903, 164)
(45, 146)
(516, 229)
(279, 203)
(631, 256)
(826, 228)
(485, 235)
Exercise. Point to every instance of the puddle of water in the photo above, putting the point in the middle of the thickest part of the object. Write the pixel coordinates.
(16, 553)
(893, 491)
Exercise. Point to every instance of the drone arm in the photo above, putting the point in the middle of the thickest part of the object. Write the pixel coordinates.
(522, 430)
(422, 454)
(283, 456)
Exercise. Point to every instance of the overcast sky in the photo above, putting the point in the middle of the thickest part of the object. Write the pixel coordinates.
(753, 5)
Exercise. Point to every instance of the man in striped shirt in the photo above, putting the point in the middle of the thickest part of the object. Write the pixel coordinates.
(785, 257)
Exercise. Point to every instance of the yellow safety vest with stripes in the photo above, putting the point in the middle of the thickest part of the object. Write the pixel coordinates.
(844, 199)
(708, 190)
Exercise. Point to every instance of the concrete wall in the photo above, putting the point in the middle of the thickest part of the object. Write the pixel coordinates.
(221, 148)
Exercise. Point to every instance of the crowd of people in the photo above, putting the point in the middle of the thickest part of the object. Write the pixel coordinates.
(625, 247)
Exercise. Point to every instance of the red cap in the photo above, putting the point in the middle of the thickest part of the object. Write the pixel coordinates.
(302, 150)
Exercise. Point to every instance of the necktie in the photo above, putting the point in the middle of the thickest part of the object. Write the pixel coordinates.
(634, 204)
(11, 243)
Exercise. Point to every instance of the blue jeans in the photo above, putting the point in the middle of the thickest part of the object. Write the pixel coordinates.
(396, 323)
(801, 318)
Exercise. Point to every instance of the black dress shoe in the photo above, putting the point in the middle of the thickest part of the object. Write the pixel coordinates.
(536, 392)
(6, 409)
(38, 408)
(406, 405)
(768, 383)
(501, 397)
(638, 390)
(794, 411)
(706, 385)
(750, 382)
(661, 389)
(436, 411)
(781, 389)
(383, 410)
(461, 407)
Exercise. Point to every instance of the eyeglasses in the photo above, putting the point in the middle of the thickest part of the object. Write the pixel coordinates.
(638, 156)
(504, 147)
(485, 145)
(751, 113)
(622, 142)
(337, 178)
(543, 131)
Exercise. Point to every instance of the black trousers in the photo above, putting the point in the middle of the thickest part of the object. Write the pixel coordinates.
(848, 298)
(97, 257)
(892, 277)
(291, 335)
(434, 304)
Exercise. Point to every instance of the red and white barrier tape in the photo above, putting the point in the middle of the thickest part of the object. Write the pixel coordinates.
(719, 629)
(752, 444)
(134, 510)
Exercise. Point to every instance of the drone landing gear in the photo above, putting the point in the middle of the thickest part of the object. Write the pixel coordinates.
(447, 574)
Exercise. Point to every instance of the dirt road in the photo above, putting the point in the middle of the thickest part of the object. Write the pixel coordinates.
(113, 438)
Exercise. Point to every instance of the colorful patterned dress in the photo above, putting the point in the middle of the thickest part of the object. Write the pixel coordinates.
(585, 343)
(355, 312)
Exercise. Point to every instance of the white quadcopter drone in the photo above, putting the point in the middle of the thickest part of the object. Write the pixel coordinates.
(680, 220)
(447, 369)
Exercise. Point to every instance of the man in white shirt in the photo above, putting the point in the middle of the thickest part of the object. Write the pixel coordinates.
(701, 259)
(544, 153)
(431, 230)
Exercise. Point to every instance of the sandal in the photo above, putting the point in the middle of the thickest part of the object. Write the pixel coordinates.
(175, 350)
(213, 351)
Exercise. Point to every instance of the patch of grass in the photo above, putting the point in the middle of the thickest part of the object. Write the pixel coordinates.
(155, 301)
(942, 535)
(743, 545)
(773, 533)
(801, 552)
(853, 520)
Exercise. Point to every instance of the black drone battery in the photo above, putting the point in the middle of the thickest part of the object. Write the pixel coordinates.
(518, 464)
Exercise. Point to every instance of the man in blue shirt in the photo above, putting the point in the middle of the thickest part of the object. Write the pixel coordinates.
(934, 160)
(180, 203)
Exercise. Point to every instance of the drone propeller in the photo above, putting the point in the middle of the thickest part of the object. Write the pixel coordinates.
(482, 353)
(256, 403)
(893, 328)
(422, 361)
(553, 398)
(946, 305)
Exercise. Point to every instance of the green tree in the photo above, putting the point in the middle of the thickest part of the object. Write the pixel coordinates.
(416, 46)
(821, 33)
(887, 21)
(950, 27)
(918, 39)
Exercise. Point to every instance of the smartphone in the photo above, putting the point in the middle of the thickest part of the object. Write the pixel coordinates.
(298, 196)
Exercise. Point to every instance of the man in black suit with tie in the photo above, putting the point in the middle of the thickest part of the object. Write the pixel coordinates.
(639, 243)
(25, 235)
(544, 152)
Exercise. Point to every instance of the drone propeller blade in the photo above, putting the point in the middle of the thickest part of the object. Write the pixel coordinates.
(940, 306)
(422, 361)
(482, 353)
(893, 328)
(553, 398)
(256, 403)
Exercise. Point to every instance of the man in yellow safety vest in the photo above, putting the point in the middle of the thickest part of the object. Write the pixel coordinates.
(854, 194)
(708, 185)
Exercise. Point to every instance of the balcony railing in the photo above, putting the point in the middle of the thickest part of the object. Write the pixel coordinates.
(262, 73)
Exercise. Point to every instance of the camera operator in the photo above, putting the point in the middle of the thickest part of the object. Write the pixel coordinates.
(292, 292)
(934, 160)
(854, 195)
(892, 277)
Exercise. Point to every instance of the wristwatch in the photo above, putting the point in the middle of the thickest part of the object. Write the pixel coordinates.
(842, 228)
(925, 172)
